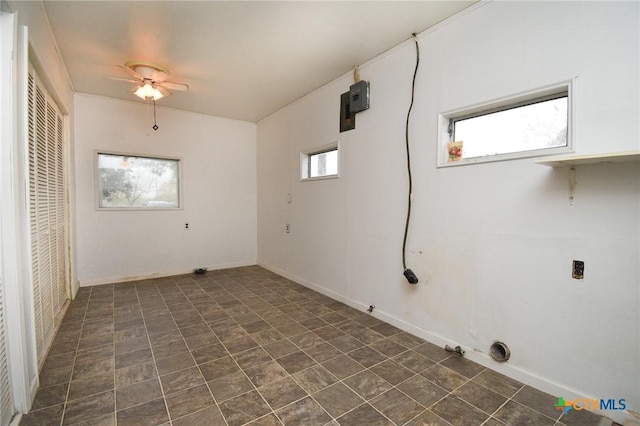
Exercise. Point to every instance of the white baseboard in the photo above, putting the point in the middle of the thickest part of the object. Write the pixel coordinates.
(16, 420)
(625, 417)
(24, 409)
(33, 389)
(124, 279)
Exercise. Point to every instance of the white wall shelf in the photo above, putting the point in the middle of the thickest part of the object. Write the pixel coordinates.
(572, 161)
(578, 160)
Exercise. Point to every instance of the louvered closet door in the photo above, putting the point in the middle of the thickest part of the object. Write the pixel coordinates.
(46, 212)
(6, 403)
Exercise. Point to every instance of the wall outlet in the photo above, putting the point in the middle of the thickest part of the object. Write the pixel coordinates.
(577, 269)
(186, 226)
(287, 228)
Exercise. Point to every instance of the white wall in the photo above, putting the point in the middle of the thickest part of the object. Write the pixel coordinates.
(218, 183)
(491, 243)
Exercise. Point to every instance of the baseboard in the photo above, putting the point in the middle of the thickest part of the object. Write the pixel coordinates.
(16, 420)
(625, 417)
(33, 389)
(74, 289)
(164, 274)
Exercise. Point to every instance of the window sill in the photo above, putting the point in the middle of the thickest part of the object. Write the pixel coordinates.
(505, 157)
(319, 178)
(136, 209)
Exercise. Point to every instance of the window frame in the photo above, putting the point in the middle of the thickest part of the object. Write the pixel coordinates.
(305, 161)
(531, 97)
(97, 185)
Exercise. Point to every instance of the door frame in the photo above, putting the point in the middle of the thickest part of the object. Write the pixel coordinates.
(21, 357)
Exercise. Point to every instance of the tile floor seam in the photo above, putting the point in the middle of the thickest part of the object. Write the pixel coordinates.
(153, 358)
(491, 419)
(255, 388)
(526, 406)
(422, 414)
(364, 369)
(234, 360)
(195, 361)
(537, 411)
(115, 393)
(491, 416)
(472, 404)
(399, 390)
(75, 357)
(298, 400)
(115, 389)
(371, 399)
(426, 408)
(310, 395)
(307, 395)
(395, 386)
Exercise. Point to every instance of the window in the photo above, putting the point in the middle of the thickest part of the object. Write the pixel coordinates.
(319, 163)
(134, 182)
(531, 125)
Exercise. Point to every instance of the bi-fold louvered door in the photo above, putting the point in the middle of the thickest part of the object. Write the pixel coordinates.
(46, 211)
(6, 401)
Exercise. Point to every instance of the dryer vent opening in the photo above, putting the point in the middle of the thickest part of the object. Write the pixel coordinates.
(500, 352)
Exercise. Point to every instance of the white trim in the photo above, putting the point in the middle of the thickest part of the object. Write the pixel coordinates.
(336, 176)
(524, 376)
(16, 420)
(164, 274)
(32, 380)
(9, 271)
(68, 210)
(445, 117)
(96, 154)
(504, 157)
(304, 161)
(15, 280)
(52, 37)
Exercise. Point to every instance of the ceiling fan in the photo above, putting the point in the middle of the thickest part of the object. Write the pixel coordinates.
(152, 80)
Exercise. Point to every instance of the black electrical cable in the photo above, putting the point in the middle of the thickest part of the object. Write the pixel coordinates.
(408, 273)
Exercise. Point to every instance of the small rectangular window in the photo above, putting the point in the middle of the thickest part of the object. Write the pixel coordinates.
(135, 182)
(535, 124)
(319, 163)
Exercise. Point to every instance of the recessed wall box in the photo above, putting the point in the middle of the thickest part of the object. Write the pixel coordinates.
(347, 116)
(359, 96)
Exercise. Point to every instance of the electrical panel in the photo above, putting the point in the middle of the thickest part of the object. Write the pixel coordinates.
(351, 102)
(359, 96)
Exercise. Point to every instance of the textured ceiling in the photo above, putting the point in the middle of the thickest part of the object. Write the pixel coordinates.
(242, 60)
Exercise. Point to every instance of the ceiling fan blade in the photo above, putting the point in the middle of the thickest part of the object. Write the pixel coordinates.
(128, 80)
(179, 87)
(130, 71)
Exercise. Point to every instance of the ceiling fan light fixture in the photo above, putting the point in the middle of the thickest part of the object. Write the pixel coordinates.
(157, 94)
(147, 90)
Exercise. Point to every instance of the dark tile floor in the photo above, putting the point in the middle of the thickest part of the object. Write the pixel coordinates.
(246, 346)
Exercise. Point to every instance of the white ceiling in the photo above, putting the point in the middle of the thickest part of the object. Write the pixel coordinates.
(241, 59)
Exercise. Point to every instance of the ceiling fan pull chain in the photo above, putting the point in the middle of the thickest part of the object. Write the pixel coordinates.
(155, 124)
